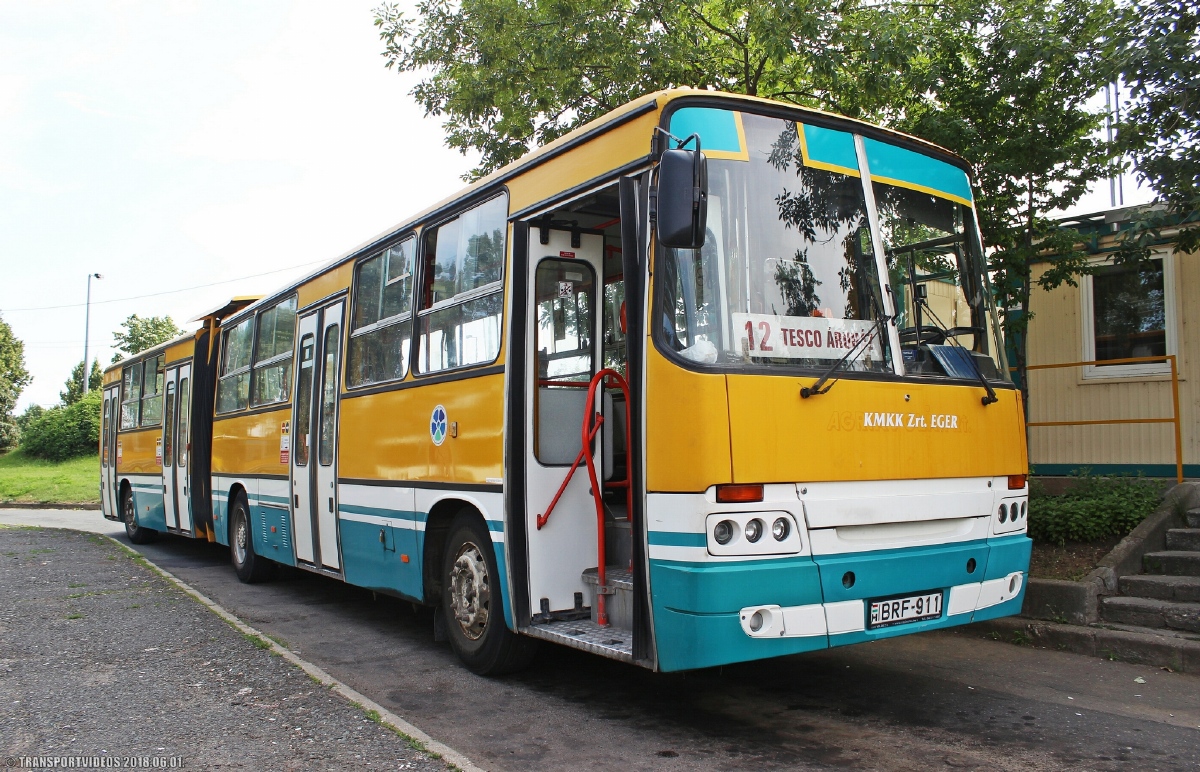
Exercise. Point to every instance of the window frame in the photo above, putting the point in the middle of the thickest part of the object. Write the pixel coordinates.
(126, 399)
(160, 361)
(423, 311)
(1088, 329)
(256, 364)
(252, 319)
(407, 317)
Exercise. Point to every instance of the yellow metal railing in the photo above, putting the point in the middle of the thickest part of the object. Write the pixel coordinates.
(1174, 419)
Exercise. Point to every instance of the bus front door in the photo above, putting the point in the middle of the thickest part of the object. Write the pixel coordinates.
(563, 336)
(313, 467)
(175, 439)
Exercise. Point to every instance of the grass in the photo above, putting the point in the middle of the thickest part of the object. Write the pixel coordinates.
(27, 479)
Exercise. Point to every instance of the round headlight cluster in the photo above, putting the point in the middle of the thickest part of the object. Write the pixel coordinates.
(1011, 512)
(723, 531)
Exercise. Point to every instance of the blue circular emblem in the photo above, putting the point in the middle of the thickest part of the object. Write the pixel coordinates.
(437, 425)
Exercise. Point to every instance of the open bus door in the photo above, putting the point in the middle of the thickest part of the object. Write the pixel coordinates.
(175, 448)
(564, 341)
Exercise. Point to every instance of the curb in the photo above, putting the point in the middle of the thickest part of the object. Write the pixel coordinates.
(1178, 654)
(50, 505)
(420, 739)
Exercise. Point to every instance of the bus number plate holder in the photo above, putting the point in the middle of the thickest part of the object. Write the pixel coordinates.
(907, 608)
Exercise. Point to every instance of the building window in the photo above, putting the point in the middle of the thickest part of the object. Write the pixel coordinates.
(1128, 313)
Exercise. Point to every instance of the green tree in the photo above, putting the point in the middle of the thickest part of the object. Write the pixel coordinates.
(74, 384)
(509, 75)
(13, 379)
(1160, 62)
(65, 432)
(140, 334)
(32, 413)
(1008, 85)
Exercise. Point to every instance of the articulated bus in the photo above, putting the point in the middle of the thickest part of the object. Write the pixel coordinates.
(710, 379)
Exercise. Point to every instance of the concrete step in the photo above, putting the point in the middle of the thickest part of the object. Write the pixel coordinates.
(1173, 562)
(1162, 587)
(1184, 539)
(1184, 588)
(1150, 612)
(1193, 518)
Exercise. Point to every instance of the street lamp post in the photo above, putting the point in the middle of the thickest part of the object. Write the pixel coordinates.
(87, 319)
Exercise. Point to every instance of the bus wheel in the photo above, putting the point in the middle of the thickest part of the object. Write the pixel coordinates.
(471, 603)
(136, 533)
(250, 567)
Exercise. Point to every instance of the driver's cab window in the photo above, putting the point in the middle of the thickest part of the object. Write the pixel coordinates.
(935, 270)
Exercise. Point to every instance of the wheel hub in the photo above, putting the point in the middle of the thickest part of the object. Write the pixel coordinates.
(239, 540)
(470, 591)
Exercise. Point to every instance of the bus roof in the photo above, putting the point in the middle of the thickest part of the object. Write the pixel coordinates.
(653, 102)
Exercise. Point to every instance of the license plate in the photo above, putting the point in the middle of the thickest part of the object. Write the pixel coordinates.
(910, 608)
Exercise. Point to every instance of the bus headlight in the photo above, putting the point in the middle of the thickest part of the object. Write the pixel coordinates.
(754, 530)
(723, 532)
(780, 528)
(1003, 513)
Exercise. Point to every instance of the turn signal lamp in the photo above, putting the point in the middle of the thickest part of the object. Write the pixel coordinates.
(1016, 482)
(741, 493)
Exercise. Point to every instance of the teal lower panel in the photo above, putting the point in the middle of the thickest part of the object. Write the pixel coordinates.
(151, 513)
(696, 609)
(885, 573)
(371, 555)
(1008, 554)
(272, 527)
(689, 641)
(725, 588)
(842, 639)
(502, 569)
(221, 521)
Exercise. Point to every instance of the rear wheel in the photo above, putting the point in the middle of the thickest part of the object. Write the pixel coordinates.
(136, 533)
(250, 567)
(472, 604)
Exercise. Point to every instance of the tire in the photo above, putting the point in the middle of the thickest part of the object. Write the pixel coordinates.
(136, 533)
(250, 567)
(471, 603)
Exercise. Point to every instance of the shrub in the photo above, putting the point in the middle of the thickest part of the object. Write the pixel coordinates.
(1097, 508)
(65, 432)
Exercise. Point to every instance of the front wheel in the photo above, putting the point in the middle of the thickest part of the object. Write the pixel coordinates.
(136, 533)
(250, 567)
(471, 603)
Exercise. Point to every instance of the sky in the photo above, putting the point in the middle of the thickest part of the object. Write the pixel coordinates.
(170, 145)
(191, 151)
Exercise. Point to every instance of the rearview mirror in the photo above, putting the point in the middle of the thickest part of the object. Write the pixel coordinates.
(682, 198)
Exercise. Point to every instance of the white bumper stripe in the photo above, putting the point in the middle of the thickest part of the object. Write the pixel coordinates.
(849, 616)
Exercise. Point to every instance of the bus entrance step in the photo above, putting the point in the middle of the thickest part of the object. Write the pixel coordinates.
(585, 634)
(618, 599)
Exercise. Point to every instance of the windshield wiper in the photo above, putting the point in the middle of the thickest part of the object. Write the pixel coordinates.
(991, 394)
(815, 389)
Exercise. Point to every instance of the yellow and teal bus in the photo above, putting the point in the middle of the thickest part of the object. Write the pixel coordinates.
(710, 379)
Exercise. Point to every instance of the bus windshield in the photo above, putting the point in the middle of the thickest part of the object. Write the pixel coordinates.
(790, 276)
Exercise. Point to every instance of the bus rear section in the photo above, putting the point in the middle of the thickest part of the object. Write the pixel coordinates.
(834, 453)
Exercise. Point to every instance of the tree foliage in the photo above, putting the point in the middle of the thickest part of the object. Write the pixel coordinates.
(510, 75)
(1160, 63)
(13, 379)
(1004, 83)
(140, 334)
(66, 432)
(1009, 84)
(74, 384)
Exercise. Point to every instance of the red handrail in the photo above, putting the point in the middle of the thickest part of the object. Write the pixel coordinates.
(592, 421)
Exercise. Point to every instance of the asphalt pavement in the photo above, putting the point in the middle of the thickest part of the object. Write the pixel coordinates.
(950, 700)
(104, 662)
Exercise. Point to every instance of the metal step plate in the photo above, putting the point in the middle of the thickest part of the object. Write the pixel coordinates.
(585, 634)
